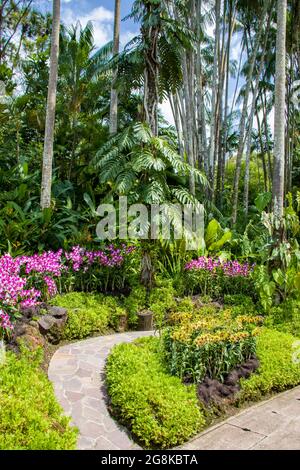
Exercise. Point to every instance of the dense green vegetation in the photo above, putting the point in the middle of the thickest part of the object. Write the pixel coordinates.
(30, 417)
(278, 371)
(89, 314)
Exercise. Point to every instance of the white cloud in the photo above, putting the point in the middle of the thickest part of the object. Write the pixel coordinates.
(102, 20)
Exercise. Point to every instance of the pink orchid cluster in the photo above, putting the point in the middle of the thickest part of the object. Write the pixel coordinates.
(20, 276)
(5, 323)
(81, 258)
(229, 268)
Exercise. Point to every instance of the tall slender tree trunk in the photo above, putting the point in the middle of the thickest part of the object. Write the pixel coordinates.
(113, 114)
(232, 13)
(189, 120)
(212, 146)
(151, 97)
(201, 121)
(251, 118)
(279, 121)
(50, 113)
(244, 115)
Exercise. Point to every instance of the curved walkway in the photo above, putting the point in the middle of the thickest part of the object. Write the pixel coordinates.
(77, 369)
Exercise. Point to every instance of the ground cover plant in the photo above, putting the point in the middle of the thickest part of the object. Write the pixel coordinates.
(30, 417)
(158, 409)
(90, 313)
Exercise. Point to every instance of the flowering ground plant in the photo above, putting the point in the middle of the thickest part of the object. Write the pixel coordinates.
(216, 278)
(6, 326)
(206, 342)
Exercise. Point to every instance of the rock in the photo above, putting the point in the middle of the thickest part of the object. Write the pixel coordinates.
(30, 312)
(29, 336)
(52, 328)
(57, 312)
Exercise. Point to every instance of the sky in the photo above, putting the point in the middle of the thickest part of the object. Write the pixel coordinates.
(100, 12)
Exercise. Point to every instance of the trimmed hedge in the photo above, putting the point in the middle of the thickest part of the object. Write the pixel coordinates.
(158, 409)
(277, 371)
(30, 417)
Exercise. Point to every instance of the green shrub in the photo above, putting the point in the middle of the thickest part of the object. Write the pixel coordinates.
(238, 299)
(30, 417)
(285, 317)
(134, 303)
(158, 409)
(89, 313)
(277, 371)
(161, 301)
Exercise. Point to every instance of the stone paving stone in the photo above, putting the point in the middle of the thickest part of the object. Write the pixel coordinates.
(77, 373)
(226, 437)
(263, 421)
(283, 438)
(104, 444)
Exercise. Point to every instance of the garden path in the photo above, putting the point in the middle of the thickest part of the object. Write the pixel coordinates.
(77, 372)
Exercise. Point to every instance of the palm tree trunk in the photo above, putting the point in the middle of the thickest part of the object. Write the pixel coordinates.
(262, 149)
(232, 14)
(214, 98)
(50, 113)
(201, 121)
(279, 122)
(189, 120)
(113, 114)
(251, 117)
(244, 116)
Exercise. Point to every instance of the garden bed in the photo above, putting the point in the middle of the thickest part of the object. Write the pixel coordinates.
(161, 412)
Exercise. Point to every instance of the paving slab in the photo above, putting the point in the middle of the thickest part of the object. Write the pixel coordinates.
(77, 373)
(269, 425)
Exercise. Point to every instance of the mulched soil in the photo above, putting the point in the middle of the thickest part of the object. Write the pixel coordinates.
(214, 392)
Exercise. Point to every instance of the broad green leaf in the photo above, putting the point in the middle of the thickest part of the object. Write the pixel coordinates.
(262, 200)
(211, 232)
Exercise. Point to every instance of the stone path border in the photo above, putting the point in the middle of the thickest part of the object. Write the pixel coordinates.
(77, 372)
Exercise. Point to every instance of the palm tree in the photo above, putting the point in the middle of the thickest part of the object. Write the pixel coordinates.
(279, 122)
(113, 118)
(50, 113)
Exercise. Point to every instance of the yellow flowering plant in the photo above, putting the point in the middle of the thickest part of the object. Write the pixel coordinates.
(209, 342)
